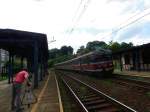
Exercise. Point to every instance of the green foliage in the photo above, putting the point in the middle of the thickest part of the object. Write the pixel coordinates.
(115, 46)
(95, 44)
(148, 94)
(82, 50)
(126, 45)
(91, 46)
(59, 55)
(59, 59)
(3, 77)
(16, 65)
(53, 53)
(66, 52)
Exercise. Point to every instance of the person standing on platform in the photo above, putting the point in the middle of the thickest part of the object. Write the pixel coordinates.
(21, 77)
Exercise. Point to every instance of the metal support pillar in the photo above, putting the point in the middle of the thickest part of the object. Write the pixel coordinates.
(45, 72)
(120, 62)
(21, 62)
(137, 60)
(10, 68)
(41, 74)
(35, 65)
(41, 68)
(29, 65)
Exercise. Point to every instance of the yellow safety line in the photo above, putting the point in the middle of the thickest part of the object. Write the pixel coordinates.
(59, 97)
(40, 95)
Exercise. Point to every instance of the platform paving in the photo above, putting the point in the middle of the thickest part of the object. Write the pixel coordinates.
(48, 100)
(47, 93)
(133, 73)
(5, 96)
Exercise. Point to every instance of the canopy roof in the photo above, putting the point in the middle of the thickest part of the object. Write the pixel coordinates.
(134, 48)
(22, 43)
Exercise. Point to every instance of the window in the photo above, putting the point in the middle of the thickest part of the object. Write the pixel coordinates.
(146, 57)
(127, 59)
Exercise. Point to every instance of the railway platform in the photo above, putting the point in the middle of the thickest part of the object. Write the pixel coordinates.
(133, 73)
(48, 96)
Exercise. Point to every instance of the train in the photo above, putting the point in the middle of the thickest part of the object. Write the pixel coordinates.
(97, 63)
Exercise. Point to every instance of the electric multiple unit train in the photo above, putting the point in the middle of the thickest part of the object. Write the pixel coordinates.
(97, 63)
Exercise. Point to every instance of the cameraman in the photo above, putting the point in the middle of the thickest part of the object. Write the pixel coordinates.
(19, 79)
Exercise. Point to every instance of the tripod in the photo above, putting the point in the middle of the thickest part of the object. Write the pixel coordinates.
(28, 97)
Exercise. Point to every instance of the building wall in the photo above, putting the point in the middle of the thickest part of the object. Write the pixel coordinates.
(4, 57)
(129, 65)
(134, 61)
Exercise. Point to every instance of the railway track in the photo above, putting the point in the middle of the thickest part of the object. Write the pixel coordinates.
(91, 99)
(144, 86)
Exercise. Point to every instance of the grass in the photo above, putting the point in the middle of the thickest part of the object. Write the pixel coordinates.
(68, 104)
(3, 78)
(107, 82)
(0, 94)
(148, 94)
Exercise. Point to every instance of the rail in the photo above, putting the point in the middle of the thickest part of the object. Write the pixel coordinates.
(108, 98)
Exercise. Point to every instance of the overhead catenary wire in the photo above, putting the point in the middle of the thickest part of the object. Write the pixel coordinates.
(120, 26)
(84, 9)
(133, 16)
(78, 8)
(85, 6)
(126, 25)
(74, 16)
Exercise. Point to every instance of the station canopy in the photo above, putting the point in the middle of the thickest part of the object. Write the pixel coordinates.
(23, 43)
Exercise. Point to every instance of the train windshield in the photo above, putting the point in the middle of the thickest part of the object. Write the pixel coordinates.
(99, 58)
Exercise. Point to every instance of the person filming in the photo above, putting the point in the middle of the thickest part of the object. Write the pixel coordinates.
(20, 77)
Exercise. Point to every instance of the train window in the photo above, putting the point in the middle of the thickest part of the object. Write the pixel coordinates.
(75, 62)
(93, 58)
(85, 60)
(99, 58)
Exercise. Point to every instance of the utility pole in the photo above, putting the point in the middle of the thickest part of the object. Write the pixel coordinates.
(53, 40)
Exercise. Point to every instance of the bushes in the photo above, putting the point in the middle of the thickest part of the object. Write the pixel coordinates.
(3, 76)
(52, 62)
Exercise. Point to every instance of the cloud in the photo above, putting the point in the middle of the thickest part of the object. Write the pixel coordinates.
(118, 1)
(138, 40)
(133, 6)
(138, 31)
(54, 17)
(89, 30)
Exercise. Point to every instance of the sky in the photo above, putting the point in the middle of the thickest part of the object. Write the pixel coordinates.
(76, 22)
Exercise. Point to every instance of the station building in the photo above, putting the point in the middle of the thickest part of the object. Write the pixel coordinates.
(4, 57)
(136, 58)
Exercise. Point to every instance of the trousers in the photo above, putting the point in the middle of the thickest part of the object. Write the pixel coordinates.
(16, 99)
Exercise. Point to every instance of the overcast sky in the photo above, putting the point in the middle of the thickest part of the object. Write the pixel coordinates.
(76, 22)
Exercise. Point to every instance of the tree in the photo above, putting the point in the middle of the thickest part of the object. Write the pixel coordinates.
(95, 44)
(60, 55)
(70, 50)
(81, 50)
(53, 53)
(125, 45)
(114, 46)
(66, 50)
